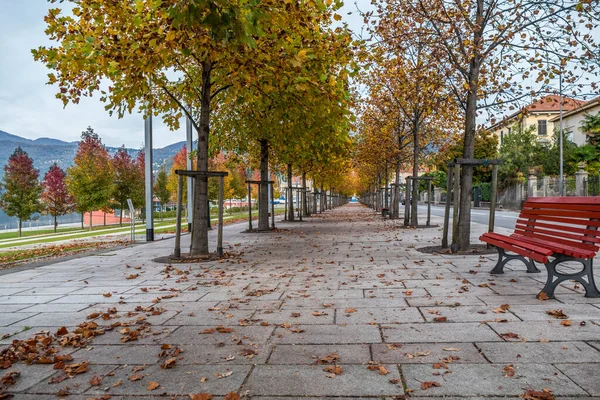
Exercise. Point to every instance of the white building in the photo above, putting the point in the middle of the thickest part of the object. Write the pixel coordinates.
(573, 118)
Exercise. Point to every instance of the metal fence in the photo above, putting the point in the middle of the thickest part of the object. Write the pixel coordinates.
(592, 185)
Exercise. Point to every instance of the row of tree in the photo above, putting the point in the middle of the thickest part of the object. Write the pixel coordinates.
(435, 66)
(267, 82)
(95, 181)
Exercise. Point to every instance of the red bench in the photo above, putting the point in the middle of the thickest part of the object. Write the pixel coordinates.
(552, 230)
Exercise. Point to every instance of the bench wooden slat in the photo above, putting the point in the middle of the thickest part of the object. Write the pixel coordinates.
(560, 234)
(506, 243)
(591, 200)
(569, 221)
(564, 213)
(553, 239)
(573, 229)
(562, 206)
(559, 248)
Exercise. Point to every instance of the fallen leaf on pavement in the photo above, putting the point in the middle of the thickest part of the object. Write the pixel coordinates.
(502, 309)
(329, 359)
(152, 385)
(334, 369)
(509, 371)
(428, 384)
(232, 396)
(557, 314)
(201, 396)
(95, 381)
(545, 394)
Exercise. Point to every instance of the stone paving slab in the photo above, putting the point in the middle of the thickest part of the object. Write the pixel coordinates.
(400, 315)
(309, 354)
(316, 316)
(427, 353)
(182, 380)
(467, 314)
(546, 330)
(532, 352)
(585, 375)
(346, 303)
(328, 334)
(539, 312)
(443, 332)
(444, 301)
(355, 380)
(488, 380)
(245, 334)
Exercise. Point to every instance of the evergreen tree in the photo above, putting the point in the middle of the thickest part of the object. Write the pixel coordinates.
(21, 189)
(90, 178)
(56, 199)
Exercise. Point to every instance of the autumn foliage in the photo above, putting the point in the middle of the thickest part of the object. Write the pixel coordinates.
(56, 199)
(20, 187)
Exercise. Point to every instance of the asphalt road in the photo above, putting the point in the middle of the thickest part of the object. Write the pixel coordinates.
(504, 219)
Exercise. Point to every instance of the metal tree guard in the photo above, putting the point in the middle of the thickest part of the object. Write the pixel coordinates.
(195, 175)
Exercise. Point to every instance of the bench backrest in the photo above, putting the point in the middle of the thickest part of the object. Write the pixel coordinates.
(573, 221)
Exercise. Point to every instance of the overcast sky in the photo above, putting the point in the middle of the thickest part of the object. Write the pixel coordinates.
(28, 107)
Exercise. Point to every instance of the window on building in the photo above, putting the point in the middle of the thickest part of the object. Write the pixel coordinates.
(542, 127)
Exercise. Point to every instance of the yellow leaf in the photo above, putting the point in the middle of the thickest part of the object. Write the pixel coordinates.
(337, 17)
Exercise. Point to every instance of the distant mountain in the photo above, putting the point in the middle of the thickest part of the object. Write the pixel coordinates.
(47, 151)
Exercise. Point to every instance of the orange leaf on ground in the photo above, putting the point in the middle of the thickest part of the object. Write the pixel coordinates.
(428, 384)
(153, 385)
(545, 394)
(334, 369)
(200, 396)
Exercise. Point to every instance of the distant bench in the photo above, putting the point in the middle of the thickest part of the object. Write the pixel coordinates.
(552, 230)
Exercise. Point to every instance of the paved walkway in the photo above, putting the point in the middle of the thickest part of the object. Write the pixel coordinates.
(342, 305)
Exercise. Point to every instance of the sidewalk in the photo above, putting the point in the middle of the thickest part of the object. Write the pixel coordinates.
(341, 305)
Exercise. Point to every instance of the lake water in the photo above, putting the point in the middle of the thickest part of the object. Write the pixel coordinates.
(36, 220)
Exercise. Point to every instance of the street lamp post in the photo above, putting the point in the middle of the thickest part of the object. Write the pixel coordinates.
(561, 183)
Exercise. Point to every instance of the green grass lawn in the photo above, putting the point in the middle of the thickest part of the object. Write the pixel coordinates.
(167, 225)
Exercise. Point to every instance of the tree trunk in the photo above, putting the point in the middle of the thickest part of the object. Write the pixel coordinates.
(396, 207)
(386, 203)
(90, 220)
(466, 178)
(19, 227)
(415, 188)
(82, 224)
(55, 224)
(121, 215)
(263, 201)
(200, 215)
(290, 193)
(304, 197)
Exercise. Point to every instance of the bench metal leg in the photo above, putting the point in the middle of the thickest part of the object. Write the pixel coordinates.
(585, 276)
(503, 258)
